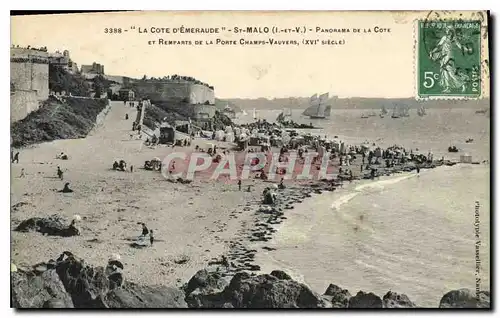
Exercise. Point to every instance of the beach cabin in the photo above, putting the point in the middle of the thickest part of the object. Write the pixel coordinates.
(465, 158)
(183, 126)
(167, 135)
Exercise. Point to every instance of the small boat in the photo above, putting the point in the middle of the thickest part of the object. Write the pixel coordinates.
(468, 141)
(400, 111)
(364, 116)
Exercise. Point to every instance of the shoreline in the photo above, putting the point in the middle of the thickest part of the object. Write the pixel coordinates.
(268, 219)
(214, 279)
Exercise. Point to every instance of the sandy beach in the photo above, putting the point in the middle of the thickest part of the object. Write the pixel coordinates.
(193, 223)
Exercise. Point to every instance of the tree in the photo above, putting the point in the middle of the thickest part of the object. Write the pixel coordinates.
(98, 91)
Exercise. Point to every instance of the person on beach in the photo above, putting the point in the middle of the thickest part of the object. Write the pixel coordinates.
(22, 173)
(239, 184)
(16, 158)
(281, 185)
(126, 116)
(60, 174)
(66, 189)
(145, 230)
(114, 271)
(131, 168)
(418, 169)
(151, 238)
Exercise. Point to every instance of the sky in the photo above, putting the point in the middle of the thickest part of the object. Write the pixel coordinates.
(367, 64)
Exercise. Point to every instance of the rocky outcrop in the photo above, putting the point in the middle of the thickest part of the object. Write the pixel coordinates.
(465, 298)
(280, 275)
(337, 296)
(131, 295)
(365, 300)
(52, 225)
(69, 282)
(395, 300)
(204, 290)
(39, 290)
(247, 291)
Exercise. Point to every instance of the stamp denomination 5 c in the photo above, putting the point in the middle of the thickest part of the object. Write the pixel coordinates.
(449, 58)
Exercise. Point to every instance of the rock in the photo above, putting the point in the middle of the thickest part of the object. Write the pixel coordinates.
(267, 291)
(70, 283)
(131, 295)
(337, 296)
(204, 290)
(280, 274)
(365, 300)
(45, 290)
(465, 298)
(52, 225)
(395, 300)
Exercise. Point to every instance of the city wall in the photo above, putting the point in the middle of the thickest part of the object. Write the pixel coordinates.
(29, 77)
(22, 103)
(175, 91)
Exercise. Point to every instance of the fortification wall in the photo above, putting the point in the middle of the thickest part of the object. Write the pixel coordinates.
(99, 120)
(29, 75)
(24, 52)
(204, 111)
(22, 103)
(32, 75)
(174, 91)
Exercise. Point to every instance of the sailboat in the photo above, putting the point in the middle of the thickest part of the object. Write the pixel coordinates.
(284, 115)
(318, 108)
(406, 111)
(421, 111)
(254, 113)
(383, 112)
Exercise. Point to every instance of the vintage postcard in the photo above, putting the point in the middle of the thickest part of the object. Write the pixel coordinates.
(230, 159)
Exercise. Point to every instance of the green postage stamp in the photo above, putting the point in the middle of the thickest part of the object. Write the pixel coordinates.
(449, 58)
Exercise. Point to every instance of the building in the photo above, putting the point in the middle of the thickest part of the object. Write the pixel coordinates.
(126, 94)
(95, 68)
(167, 134)
(466, 158)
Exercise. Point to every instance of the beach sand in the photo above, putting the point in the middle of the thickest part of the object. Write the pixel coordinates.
(193, 223)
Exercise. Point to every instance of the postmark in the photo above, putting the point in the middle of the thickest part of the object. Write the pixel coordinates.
(449, 58)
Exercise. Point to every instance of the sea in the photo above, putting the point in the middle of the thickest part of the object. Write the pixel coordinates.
(407, 233)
